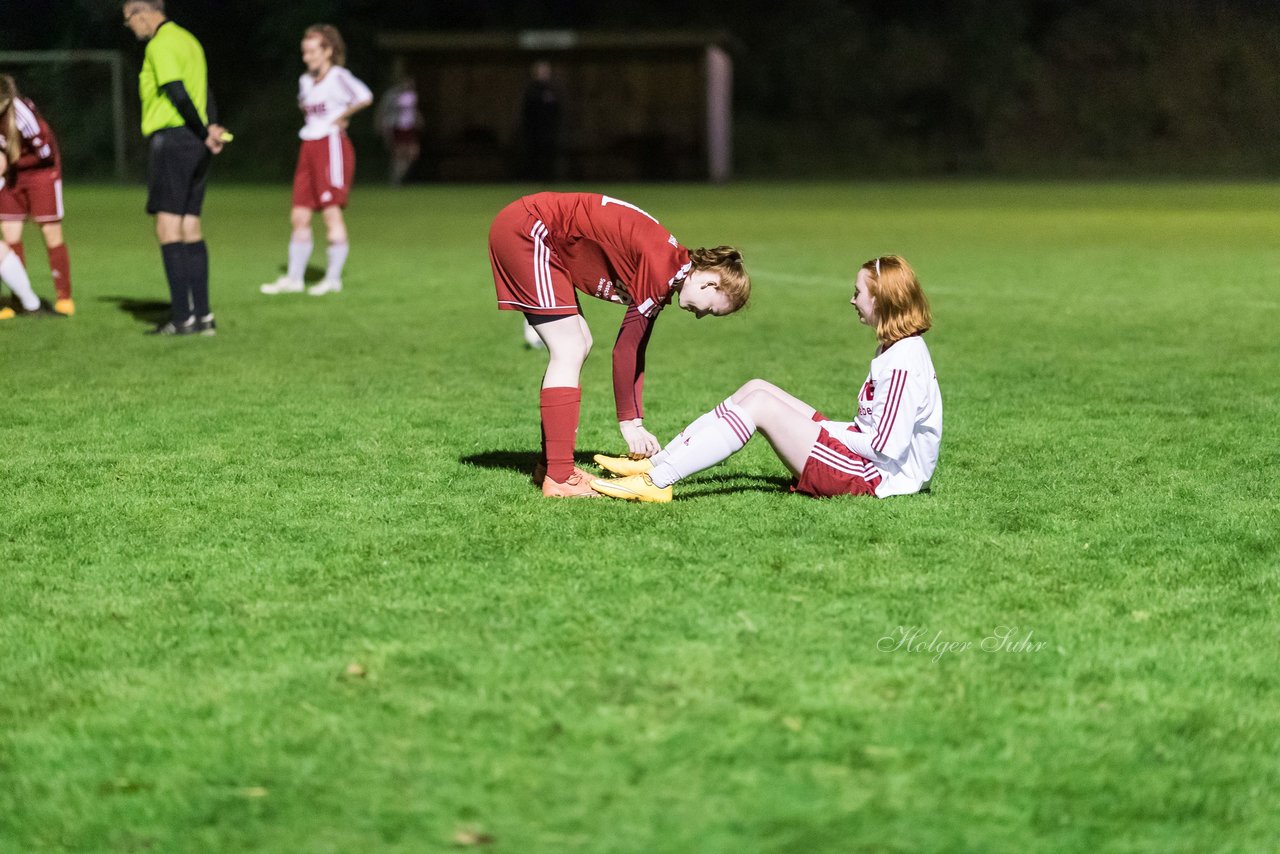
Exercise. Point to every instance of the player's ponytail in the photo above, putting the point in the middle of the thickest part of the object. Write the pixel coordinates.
(9, 119)
(727, 262)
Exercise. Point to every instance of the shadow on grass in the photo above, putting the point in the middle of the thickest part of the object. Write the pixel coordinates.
(149, 310)
(520, 461)
(310, 276)
(523, 462)
(690, 490)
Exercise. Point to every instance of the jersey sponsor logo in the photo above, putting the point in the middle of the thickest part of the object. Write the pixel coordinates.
(605, 288)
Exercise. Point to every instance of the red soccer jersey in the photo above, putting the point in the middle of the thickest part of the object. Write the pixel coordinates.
(39, 145)
(612, 249)
(615, 251)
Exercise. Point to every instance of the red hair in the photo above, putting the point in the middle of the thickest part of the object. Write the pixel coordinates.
(902, 309)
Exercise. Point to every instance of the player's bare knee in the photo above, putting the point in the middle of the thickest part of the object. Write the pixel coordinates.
(748, 388)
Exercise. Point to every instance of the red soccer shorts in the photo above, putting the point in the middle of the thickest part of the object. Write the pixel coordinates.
(36, 194)
(832, 469)
(526, 270)
(325, 170)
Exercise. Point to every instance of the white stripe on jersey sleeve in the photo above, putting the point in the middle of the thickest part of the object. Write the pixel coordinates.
(28, 124)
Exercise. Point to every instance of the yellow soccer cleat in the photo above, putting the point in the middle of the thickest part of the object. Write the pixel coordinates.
(635, 488)
(65, 306)
(7, 313)
(624, 466)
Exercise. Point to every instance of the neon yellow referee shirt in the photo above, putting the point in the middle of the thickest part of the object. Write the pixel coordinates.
(172, 54)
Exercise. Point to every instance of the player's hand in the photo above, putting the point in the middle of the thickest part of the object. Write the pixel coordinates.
(639, 440)
(213, 141)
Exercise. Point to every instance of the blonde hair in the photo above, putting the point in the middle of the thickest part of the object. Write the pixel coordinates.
(727, 262)
(902, 310)
(9, 119)
(330, 38)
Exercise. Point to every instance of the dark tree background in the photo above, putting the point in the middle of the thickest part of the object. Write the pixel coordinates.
(823, 87)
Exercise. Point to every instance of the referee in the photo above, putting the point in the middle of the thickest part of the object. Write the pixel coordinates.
(176, 111)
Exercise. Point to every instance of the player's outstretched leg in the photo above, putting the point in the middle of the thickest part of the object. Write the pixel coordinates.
(13, 274)
(718, 435)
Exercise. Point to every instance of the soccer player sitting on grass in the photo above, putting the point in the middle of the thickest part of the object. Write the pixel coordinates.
(890, 448)
(544, 246)
(12, 273)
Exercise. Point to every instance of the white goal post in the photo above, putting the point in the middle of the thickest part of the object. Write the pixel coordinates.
(112, 59)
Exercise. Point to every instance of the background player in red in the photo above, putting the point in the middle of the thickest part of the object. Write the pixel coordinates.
(546, 247)
(891, 446)
(12, 272)
(329, 95)
(34, 188)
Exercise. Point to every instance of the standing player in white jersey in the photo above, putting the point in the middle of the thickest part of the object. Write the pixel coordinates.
(329, 95)
(889, 448)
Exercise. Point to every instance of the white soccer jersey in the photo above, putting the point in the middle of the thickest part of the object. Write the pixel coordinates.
(323, 100)
(899, 419)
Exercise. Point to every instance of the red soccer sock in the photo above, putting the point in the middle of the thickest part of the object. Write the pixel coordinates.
(19, 251)
(60, 267)
(559, 408)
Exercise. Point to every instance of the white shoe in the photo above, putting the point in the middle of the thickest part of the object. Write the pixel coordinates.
(325, 286)
(283, 285)
(531, 337)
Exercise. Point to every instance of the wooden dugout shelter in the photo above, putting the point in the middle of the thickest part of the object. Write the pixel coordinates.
(650, 105)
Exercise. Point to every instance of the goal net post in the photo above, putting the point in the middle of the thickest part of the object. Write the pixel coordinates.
(63, 83)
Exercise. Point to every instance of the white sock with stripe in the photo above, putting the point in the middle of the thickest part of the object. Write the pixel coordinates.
(299, 255)
(13, 274)
(721, 436)
(680, 438)
(337, 260)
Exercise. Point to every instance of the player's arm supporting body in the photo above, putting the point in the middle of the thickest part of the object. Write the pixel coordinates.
(628, 381)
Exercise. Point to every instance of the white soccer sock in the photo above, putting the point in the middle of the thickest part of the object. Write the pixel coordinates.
(720, 437)
(696, 427)
(337, 260)
(299, 255)
(13, 274)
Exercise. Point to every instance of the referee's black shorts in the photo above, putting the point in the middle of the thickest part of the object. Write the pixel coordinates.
(177, 169)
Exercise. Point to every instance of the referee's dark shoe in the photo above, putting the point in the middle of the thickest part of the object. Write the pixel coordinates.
(206, 325)
(171, 328)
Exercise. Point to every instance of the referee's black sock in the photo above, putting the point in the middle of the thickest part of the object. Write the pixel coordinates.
(198, 276)
(175, 270)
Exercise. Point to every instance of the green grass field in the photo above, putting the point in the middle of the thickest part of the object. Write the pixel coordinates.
(290, 588)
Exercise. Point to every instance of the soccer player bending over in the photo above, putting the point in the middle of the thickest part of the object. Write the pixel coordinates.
(889, 448)
(35, 190)
(12, 273)
(546, 247)
(329, 95)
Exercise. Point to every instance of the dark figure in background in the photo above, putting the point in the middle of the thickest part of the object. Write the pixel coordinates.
(540, 118)
(182, 136)
(400, 122)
